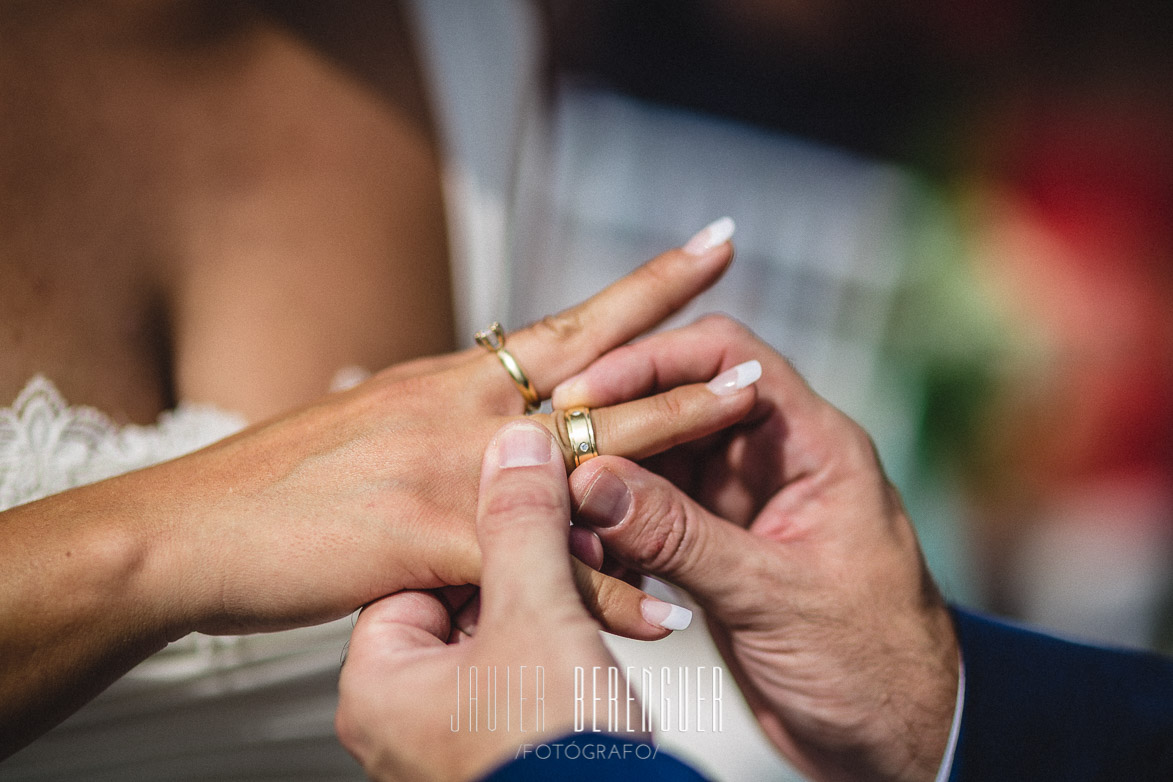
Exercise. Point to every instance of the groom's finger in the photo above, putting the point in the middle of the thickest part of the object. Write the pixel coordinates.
(523, 524)
(397, 625)
(388, 634)
(648, 524)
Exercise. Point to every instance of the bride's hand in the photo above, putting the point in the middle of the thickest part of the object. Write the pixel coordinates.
(373, 490)
(309, 516)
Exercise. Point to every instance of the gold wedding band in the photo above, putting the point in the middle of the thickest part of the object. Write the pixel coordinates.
(580, 431)
(492, 339)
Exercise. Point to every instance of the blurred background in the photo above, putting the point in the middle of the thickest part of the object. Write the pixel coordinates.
(957, 219)
(954, 216)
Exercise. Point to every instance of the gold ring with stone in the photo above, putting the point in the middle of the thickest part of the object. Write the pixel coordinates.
(492, 339)
(580, 432)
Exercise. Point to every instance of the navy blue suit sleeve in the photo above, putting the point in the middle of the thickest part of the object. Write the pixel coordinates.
(587, 757)
(1040, 708)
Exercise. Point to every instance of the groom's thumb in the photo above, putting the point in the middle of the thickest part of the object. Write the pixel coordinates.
(523, 521)
(648, 524)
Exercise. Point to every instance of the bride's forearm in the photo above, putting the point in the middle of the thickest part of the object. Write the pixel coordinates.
(79, 606)
(305, 518)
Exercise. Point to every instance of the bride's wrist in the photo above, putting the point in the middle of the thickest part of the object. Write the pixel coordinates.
(144, 553)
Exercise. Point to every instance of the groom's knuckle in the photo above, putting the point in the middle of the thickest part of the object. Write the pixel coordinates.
(661, 537)
(859, 445)
(523, 502)
(346, 726)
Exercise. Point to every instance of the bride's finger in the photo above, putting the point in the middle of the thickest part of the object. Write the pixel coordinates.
(611, 599)
(691, 354)
(651, 425)
(560, 345)
(615, 602)
(624, 609)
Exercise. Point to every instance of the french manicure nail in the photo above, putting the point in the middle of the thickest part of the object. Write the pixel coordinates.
(666, 615)
(606, 502)
(523, 445)
(735, 379)
(715, 233)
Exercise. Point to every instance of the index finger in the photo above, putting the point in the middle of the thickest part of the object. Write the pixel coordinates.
(560, 345)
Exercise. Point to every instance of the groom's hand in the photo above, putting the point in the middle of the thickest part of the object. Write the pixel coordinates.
(799, 550)
(403, 712)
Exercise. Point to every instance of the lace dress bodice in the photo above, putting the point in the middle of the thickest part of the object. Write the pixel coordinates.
(48, 446)
(254, 699)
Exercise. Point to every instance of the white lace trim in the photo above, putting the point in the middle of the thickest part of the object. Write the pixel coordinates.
(48, 446)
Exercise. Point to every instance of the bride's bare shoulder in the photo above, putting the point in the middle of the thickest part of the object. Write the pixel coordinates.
(210, 200)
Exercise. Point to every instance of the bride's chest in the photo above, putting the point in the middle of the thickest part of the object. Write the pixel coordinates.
(97, 329)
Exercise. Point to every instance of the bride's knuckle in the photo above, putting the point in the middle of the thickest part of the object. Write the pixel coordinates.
(607, 597)
(661, 539)
(670, 408)
(663, 273)
(722, 326)
(559, 327)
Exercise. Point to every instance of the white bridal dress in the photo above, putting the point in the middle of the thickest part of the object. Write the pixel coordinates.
(547, 202)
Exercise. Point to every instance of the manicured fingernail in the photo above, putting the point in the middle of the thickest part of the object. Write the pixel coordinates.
(735, 379)
(712, 235)
(523, 445)
(606, 502)
(666, 615)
